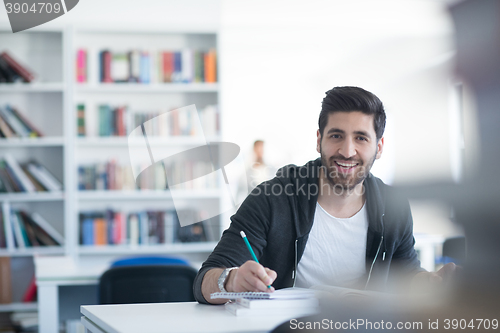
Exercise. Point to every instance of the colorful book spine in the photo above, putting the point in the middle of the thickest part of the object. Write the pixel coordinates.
(177, 66)
(5, 281)
(177, 70)
(168, 66)
(106, 59)
(81, 66)
(145, 68)
(80, 119)
(210, 66)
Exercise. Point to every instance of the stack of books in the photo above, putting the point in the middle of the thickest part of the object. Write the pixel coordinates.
(12, 71)
(29, 177)
(139, 66)
(25, 230)
(142, 228)
(292, 302)
(119, 120)
(14, 124)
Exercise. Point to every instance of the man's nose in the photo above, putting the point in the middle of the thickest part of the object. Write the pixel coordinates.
(347, 149)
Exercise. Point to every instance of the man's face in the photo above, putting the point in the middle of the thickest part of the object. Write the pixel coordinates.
(348, 148)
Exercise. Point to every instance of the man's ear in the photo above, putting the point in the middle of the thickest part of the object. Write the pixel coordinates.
(318, 142)
(380, 147)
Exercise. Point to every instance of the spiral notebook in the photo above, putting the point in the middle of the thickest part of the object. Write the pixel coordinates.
(286, 293)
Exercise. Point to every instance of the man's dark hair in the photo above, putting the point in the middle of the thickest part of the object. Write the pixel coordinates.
(349, 99)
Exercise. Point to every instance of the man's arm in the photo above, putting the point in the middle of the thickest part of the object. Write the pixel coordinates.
(250, 276)
(253, 218)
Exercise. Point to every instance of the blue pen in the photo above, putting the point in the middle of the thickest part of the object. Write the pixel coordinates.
(242, 233)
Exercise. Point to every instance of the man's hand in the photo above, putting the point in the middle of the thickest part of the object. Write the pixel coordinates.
(251, 276)
(429, 281)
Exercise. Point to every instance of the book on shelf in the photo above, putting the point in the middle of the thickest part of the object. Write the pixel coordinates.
(18, 174)
(27, 177)
(32, 230)
(120, 68)
(21, 70)
(111, 176)
(145, 68)
(110, 120)
(7, 74)
(105, 66)
(133, 72)
(5, 281)
(43, 176)
(137, 228)
(3, 239)
(81, 65)
(5, 130)
(30, 292)
(20, 235)
(80, 119)
(177, 66)
(9, 180)
(15, 124)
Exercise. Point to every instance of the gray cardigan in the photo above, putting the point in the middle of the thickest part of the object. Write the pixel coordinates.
(278, 215)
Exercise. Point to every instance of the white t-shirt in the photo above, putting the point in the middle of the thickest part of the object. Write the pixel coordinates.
(335, 252)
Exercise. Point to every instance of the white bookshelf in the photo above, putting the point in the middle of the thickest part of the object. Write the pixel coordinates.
(32, 142)
(138, 96)
(50, 103)
(43, 102)
(35, 87)
(32, 197)
(148, 195)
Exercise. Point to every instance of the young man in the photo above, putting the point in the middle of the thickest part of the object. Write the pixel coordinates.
(328, 222)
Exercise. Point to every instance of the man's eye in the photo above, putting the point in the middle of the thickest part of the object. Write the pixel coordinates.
(361, 138)
(335, 136)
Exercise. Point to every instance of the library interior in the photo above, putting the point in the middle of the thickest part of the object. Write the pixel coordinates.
(132, 132)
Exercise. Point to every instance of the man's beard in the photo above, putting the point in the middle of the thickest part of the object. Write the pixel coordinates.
(341, 182)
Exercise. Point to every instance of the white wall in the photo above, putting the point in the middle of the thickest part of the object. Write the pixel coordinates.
(278, 58)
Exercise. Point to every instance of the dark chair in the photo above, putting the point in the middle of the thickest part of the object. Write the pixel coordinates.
(454, 250)
(147, 284)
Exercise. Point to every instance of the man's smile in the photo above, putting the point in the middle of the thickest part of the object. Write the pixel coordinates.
(345, 167)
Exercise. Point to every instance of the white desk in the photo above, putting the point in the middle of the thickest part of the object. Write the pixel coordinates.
(172, 317)
(53, 272)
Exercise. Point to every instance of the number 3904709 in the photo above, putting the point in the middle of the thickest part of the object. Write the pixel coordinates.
(40, 7)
